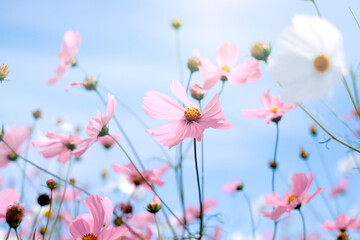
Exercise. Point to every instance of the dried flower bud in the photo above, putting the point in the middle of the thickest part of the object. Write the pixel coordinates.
(51, 184)
(3, 72)
(118, 222)
(42, 231)
(37, 114)
(43, 200)
(193, 64)
(155, 205)
(14, 215)
(273, 164)
(261, 51)
(72, 181)
(342, 236)
(176, 23)
(197, 91)
(313, 130)
(303, 154)
(126, 208)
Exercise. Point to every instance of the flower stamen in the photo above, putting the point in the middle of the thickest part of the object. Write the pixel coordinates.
(274, 109)
(321, 63)
(192, 115)
(226, 68)
(89, 236)
(292, 198)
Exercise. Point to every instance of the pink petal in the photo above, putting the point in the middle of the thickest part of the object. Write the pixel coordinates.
(179, 91)
(227, 54)
(94, 203)
(248, 71)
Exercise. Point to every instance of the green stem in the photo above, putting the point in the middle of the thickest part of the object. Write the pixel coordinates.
(352, 12)
(188, 83)
(222, 88)
(303, 223)
(251, 215)
(275, 155)
(198, 183)
(202, 162)
(157, 226)
(316, 7)
(50, 213)
(351, 96)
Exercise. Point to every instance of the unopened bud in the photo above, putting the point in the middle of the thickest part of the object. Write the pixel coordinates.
(72, 181)
(261, 51)
(176, 23)
(193, 64)
(240, 187)
(126, 208)
(155, 205)
(118, 222)
(90, 83)
(273, 164)
(37, 114)
(51, 184)
(42, 231)
(74, 62)
(14, 216)
(3, 72)
(342, 236)
(303, 154)
(197, 91)
(43, 200)
(313, 130)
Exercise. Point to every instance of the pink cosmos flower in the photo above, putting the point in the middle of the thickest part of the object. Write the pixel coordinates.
(97, 127)
(342, 223)
(91, 226)
(70, 194)
(7, 198)
(185, 123)
(226, 57)
(293, 199)
(69, 50)
(107, 141)
(274, 108)
(340, 188)
(62, 146)
(16, 138)
(152, 176)
(233, 186)
(193, 213)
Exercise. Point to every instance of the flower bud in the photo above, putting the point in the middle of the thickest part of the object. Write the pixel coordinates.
(74, 62)
(342, 236)
(118, 221)
(303, 154)
(193, 64)
(72, 181)
(240, 187)
(313, 130)
(14, 215)
(51, 184)
(37, 114)
(197, 92)
(126, 208)
(155, 205)
(90, 83)
(176, 23)
(3, 71)
(273, 164)
(261, 51)
(43, 200)
(42, 231)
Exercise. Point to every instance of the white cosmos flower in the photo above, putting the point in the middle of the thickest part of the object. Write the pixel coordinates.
(310, 59)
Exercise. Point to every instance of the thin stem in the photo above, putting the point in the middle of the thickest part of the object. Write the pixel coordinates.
(44, 170)
(8, 234)
(181, 182)
(356, 92)
(202, 162)
(275, 229)
(352, 12)
(251, 215)
(178, 53)
(222, 88)
(351, 96)
(188, 83)
(62, 200)
(147, 182)
(199, 189)
(275, 155)
(316, 7)
(327, 131)
(157, 226)
(25, 163)
(34, 223)
(50, 212)
(123, 133)
(303, 223)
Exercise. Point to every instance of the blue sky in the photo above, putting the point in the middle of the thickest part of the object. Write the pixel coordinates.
(132, 46)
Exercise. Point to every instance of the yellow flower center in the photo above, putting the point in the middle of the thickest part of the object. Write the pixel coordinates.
(292, 198)
(321, 63)
(226, 68)
(192, 115)
(89, 236)
(274, 110)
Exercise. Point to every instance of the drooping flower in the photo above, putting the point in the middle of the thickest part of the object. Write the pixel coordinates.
(233, 186)
(152, 176)
(193, 213)
(310, 59)
(69, 50)
(340, 188)
(342, 223)
(293, 199)
(274, 108)
(185, 122)
(226, 58)
(98, 126)
(91, 226)
(15, 138)
(62, 146)
(108, 141)
(7, 198)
